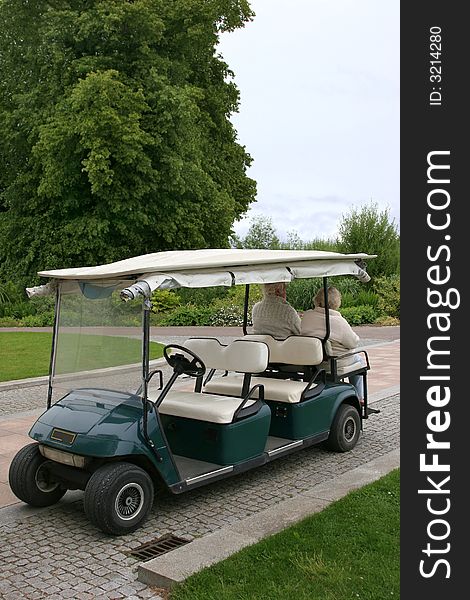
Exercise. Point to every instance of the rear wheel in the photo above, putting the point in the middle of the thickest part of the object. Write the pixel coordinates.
(118, 497)
(345, 429)
(31, 479)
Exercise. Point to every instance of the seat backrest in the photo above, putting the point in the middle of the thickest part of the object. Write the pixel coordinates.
(241, 356)
(294, 350)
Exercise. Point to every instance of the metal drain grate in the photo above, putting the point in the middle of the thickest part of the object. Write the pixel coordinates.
(157, 547)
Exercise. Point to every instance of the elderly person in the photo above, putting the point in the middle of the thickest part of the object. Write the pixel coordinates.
(342, 338)
(274, 315)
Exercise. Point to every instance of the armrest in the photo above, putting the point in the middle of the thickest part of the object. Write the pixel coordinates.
(334, 361)
(258, 386)
(336, 358)
(319, 387)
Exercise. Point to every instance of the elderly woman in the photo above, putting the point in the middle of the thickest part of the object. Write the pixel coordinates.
(342, 337)
(274, 315)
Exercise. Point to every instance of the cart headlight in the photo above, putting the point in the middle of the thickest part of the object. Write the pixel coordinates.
(65, 458)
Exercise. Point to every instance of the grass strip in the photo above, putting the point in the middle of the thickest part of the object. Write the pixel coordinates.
(349, 551)
(26, 354)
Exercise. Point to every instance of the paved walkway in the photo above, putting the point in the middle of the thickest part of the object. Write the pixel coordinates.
(55, 553)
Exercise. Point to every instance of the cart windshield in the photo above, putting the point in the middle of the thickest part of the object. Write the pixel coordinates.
(98, 339)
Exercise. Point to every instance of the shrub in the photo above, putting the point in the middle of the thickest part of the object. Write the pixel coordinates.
(359, 315)
(201, 296)
(45, 319)
(365, 297)
(14, 304)
(236, 295)
(387, 321)
(164, 300)
(187, 315)
(227, 316)
(17, 310)
(228, 312)
(4, 295)
(388, 291)
(300, 292)
(9, 322)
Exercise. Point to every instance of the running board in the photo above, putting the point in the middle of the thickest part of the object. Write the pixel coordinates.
(258, 461)
(285, 448)
(209, 475)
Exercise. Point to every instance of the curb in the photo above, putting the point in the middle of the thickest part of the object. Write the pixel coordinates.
(174, 567)
(30, 382)
(34, 381)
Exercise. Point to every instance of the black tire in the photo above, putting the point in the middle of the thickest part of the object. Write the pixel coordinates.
(345, 429)
(30, 481)
(118, 497)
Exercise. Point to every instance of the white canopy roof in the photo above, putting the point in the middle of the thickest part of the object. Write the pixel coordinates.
(192, 260)
(211, 267)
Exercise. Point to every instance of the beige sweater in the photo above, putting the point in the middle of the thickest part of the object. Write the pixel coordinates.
(274, 316)
(342, 337)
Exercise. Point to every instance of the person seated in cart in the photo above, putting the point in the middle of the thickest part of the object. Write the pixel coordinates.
(274, 315)
(342, 338)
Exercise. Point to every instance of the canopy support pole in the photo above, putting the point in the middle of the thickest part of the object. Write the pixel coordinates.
(245, 308)
(327, 317)
(146, 405)
(55, 331)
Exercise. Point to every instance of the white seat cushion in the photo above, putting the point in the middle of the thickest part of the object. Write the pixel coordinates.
(294, 350)
(202, 407)
(282, 390)
(243, 356)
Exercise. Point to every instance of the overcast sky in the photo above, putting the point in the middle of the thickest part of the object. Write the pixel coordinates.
(319, 113)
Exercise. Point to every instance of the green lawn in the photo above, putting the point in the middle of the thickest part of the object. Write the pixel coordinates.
(27, 354)
(348, 551)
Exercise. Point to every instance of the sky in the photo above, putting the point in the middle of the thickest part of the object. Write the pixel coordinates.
(319, 110)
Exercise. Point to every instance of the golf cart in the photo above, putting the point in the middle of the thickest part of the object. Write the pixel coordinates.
(115, 429)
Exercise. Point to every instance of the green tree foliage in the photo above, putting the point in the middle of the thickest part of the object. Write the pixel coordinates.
(367, 229)
(116, 138)
(261, 234)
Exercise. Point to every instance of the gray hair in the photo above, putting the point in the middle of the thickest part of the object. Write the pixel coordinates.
(274, 289)
(334, 298)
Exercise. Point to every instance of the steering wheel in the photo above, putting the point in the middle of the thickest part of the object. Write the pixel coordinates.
(181, 363)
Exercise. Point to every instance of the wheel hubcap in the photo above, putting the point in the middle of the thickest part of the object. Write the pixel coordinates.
(129, 501)
(43, 480)
(349, 429)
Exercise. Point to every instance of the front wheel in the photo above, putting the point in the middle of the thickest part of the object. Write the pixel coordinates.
(345, 429)
(118, 497)
(31, 480)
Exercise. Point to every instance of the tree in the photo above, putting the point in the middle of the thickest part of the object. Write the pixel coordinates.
(261, 234)
(367, 229)
(116, 138)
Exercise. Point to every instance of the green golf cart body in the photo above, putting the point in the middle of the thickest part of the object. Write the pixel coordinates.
(115, 432)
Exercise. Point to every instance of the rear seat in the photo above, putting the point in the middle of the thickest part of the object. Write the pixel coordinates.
(295, 350)
(282, 390)
(242, 356)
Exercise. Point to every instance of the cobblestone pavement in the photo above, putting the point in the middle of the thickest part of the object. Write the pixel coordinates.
(22, 399)
(55, 553)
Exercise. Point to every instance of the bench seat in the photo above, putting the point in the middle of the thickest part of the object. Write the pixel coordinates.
(202, 407)
(282, 390)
